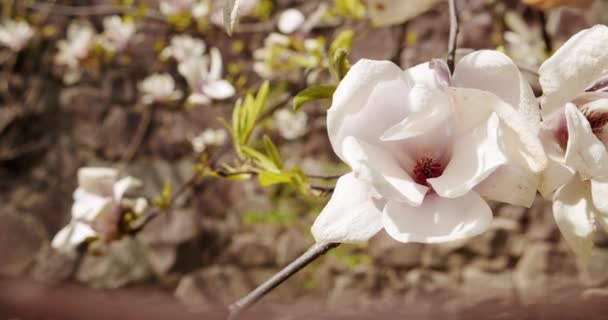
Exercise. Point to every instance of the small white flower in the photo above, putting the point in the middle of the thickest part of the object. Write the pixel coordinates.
(427, 149)
(75, 48)
(184, 47)
(97, 207)
(197, 8)
(291, 125)
(290, 21)
(117, 33)
(159, 88)
(575, 113)
(205, 79)
(15, 34)
(389, 12)
(209, 137)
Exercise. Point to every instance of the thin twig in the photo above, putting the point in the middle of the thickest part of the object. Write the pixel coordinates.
(140, 133)
(454, 28)
(302, 261)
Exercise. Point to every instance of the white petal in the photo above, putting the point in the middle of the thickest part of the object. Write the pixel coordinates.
(215, 70)
(437, 219)
(430, 74)
(198, 99)
(98, 181)
(290, 21)
(574, 67)
(524, 146)
(585, 152)
(492, 71)
(369, 100)
(379, 168)
(124, 185)
(599, 194)
(510, 183)
(573, 211)
(429, 109)
(351, 215)
(475, 156)
(71, 236)
(557, 172)
(219, 89)
(87, 206)
(388, 12)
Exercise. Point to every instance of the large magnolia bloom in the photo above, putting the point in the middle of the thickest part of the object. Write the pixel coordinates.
(98, 207)
(426, 148)
(204, 77)
(575, 113)
(15, 34)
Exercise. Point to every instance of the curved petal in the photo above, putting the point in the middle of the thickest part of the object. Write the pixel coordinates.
(599, 195)
(574, 67)
(351, 215)
(557, 172)
(585, 152)
(71, 236)
(215, 69)
(437, 219)
(99, 181)
(429, 109)
(434, 75)
(198, 99)
(379, 168)
(369, 100)
(124, 185)
(573, 211)
(219, 89)
(510, 183)
(493, 71)
(87, 206)
(519, 135)
(475, 156)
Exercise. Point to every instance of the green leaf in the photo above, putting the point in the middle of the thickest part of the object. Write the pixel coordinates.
(350, 8)
(231, 10)
(273, 152)
(312, 94)
(344, 41)
(299, 180)
(268, 178)
(260, 159)
(340, 63)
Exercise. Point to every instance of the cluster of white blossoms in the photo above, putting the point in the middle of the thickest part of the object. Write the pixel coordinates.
(203, 73)
(15, 34)
(98, 209)
(81, 38)
(428, 148)
(209, 137)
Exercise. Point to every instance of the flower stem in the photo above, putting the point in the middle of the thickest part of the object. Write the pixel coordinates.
(254, 296)
(454, 28)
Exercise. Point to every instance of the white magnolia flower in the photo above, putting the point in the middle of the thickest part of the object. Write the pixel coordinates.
(389, 12)
(575, 112)
(117, 33)
(204, 76)
(291, 20)
(197, 8)
(184, 47)
(15, 34)
(159, 88)
(291, 125)
(98, 206)
(74, 49)
(425, 149)
(209, 137)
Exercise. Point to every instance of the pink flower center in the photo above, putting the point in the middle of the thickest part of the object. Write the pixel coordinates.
(597, 121)
(427, 168)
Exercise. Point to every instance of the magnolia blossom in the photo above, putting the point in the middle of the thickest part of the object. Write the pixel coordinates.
(197, 8)
(74, 49)
(98, 207)
(204, 76)
(291, 20)
(389, 12)
(184, 47)
(291, 125)
(15, 34)
(575, 113)
(117, 33)
(159, 88)
(426, 148)
(209, 137)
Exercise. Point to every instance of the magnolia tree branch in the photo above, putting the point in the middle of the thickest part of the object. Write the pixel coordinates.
(302, 261)
(454, 28)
